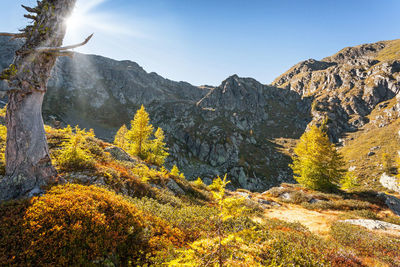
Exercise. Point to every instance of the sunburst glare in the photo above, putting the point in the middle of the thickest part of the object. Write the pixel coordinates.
(87, 19)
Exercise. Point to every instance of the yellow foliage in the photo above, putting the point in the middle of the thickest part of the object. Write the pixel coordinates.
(158, 150)
(175, 172)
(139, 134)
(3, 138)
(317, 164)
(120, 137)
(137, 140)
(199, 182)
(226, 248)
(387, 163)
(349, 181)
(74, 154)
(3, 111)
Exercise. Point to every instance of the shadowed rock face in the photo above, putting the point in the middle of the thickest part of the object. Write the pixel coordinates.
(231, 128)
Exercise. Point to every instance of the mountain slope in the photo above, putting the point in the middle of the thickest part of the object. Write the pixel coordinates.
(242, 127)
(348, 85)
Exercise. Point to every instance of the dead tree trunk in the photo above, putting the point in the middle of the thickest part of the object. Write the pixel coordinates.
(28, 163)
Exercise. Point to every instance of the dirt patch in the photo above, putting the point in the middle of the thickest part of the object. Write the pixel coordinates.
(317, 222)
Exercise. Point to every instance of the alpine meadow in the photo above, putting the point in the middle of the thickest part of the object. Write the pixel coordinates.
(105, 164)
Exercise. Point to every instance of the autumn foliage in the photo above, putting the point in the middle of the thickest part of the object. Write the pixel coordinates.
(317, 164)
(140, 141)
(81, 225)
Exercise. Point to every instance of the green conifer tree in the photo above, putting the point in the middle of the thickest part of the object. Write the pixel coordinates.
(317, 164)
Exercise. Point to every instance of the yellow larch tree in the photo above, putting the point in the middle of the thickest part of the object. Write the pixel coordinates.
(120, 137)
(316, 163)
(158, 150)
(139, 134)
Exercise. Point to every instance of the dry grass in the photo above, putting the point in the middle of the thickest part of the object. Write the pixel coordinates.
(390, 52)
(360, 143)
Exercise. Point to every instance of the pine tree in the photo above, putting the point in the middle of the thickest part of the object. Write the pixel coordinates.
(158, 150)
(139, 134)
(120, 137)
(317, 164)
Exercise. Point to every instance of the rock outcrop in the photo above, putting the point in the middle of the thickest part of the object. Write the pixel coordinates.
(374, 224)
(390, 182)
(348, 85)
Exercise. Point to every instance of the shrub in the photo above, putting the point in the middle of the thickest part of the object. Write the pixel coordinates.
(199, 183)
(345, 204)
(194, 220)
(74, 154)
(83, 225)
(224, 247)
(175, 172)
(388, 164)
(367, 243)
(13, 240)
(349, 181)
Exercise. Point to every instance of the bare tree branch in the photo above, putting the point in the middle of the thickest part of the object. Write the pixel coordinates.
(50, 49)
(13, 35)
(61, 53)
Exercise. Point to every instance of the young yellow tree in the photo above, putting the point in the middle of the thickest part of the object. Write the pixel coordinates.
(139, 134)
(223, 248)
(74, 155)
(176, 172)
(317, 164)
(158, 150)
(120, 137)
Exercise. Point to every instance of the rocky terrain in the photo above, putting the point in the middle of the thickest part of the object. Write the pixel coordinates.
(242, 127)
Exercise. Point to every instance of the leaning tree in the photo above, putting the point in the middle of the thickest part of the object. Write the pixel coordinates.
(28, 163)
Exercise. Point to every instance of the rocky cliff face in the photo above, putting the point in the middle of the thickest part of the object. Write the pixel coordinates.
(242, 127)
(347, 86)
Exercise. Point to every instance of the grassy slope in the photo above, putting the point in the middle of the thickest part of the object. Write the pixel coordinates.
(373, 138)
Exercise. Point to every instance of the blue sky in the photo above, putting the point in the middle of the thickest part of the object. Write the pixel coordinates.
(205, 41)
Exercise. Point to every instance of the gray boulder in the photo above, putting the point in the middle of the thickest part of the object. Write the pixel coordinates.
(119, 154)
(390, 182)
(174, 187)
(373, 224)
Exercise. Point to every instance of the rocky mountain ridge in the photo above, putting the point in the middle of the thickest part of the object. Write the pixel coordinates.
(347, 86)
(242, 127)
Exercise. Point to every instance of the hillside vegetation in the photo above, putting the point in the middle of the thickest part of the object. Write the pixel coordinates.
(132, 203)
(118, 210)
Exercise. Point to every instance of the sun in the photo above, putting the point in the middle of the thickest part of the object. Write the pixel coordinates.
(74, 21)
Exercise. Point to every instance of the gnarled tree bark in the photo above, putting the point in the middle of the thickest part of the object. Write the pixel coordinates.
(28, 163)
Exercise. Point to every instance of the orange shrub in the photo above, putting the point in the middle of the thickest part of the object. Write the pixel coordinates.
(83, 225)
